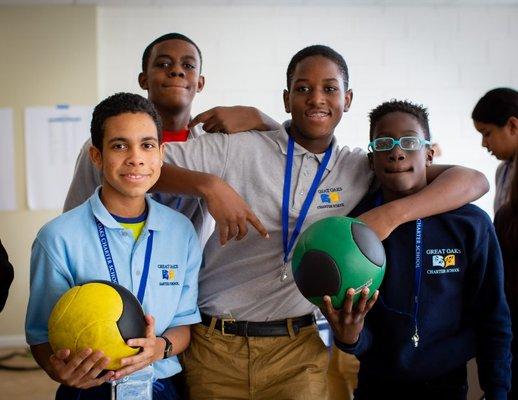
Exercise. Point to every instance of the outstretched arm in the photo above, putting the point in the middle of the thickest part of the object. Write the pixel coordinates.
(234, 119)
(230, 211)
(450, 187)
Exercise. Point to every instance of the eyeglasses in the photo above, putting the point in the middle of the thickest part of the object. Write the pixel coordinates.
(408, 143)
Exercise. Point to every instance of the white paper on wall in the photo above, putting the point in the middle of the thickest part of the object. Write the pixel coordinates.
(7, 184)
(53, 138)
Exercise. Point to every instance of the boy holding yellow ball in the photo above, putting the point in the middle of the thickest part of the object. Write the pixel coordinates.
(153, 251)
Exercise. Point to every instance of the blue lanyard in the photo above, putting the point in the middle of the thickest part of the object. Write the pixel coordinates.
(417, 281)
(288, 244)
(417, 274)
(103, 239)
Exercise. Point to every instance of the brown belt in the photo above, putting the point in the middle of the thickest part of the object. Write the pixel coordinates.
(231, 327)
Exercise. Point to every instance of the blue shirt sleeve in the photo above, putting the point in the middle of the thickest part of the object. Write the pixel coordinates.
(358, 348)
(49, 279)
(188, 312)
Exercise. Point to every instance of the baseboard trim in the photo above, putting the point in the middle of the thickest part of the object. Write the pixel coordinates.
(12, 341)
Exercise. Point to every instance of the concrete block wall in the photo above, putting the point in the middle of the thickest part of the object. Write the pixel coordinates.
(445, 57)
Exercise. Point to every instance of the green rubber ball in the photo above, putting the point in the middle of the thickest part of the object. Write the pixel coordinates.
(335, 254)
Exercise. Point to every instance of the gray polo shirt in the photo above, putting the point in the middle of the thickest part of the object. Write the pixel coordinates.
(242, 279)
(87, 177)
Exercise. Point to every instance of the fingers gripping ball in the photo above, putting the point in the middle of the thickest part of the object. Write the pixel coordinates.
(99, 315)
(335, 254)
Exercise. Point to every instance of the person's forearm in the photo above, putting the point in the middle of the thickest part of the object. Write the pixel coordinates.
(451, 189)
(177, 180)
(42, 353)
(180, 336)
(265, 123)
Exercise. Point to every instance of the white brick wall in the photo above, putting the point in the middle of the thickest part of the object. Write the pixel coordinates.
(445, 57)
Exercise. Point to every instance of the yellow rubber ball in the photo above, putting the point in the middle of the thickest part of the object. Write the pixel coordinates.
(99, 315)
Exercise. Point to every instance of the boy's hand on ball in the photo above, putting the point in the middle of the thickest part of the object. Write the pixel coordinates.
(152, 349)
(82, 370)
(347, 323)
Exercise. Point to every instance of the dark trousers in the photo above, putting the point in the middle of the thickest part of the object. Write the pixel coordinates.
(163, 389)
(450, 386)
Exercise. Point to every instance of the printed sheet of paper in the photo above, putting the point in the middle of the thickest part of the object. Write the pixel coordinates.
(53, 138)
(7, 184)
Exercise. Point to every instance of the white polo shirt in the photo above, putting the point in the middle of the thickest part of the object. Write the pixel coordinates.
(67, 252)
(242, 279)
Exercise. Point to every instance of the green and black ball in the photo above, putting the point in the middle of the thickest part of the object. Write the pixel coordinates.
(335, 254)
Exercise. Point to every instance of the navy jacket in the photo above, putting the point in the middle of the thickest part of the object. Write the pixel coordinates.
(462, 311)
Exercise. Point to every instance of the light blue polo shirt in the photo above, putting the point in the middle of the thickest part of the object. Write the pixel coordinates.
(67, 252)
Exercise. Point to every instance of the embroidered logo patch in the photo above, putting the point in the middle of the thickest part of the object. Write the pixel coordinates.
(443, 261)
(168, 274)
(330, 198)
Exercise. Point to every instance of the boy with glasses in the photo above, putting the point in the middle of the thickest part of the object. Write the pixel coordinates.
(442, 300)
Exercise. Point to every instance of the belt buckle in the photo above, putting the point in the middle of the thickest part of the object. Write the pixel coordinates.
(223, 320)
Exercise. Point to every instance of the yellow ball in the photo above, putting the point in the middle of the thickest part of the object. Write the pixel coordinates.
(98, 315)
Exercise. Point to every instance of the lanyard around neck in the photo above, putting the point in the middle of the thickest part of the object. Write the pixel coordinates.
(103, 239)
(417, 272)
(288, 242)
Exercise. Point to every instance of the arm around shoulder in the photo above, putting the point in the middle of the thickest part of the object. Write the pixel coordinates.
(234, 119)
(449, 188)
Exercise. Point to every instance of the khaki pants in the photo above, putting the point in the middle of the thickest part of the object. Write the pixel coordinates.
(234, 367)
(342, 375)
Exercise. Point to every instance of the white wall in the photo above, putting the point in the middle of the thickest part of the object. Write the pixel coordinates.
(48, 58)
(445, 57)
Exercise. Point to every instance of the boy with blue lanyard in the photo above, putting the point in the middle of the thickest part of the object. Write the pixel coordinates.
(152, 250)
(258, 334)
(442, 300)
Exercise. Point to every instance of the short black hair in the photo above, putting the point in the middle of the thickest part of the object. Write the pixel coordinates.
(317, 50)
(163, 38)
(121, 103)
(418, 111)
(496, 107)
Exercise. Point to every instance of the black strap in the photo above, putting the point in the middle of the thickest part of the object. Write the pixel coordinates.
(248, 328)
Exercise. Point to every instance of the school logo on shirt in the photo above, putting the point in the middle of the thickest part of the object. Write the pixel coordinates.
(330, 198)
(168, 274)
(444, 261)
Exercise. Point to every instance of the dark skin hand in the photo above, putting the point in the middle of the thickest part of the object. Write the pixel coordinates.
(232, 214)
(347, 322)
(233, 119)
(151, 350)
